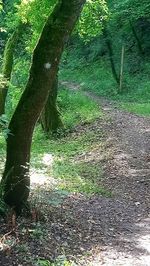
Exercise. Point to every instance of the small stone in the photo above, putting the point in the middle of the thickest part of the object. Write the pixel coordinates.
(137, 203)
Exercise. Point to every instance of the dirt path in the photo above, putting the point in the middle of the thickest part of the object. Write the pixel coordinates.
(111, 231)
(121, 224)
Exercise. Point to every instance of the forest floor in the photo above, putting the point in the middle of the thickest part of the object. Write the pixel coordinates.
(99, 230)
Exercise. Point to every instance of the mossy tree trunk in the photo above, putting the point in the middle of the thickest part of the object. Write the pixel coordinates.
(2, 102)
(50, 117)
(44, 68)
(8, 65)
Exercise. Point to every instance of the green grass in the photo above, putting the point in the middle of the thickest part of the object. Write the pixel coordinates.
(80, 178)
(94, 77)
(137, 108)
(2, 144)
(76, 108)
(71, 173)
(60, 261)
(97, 77)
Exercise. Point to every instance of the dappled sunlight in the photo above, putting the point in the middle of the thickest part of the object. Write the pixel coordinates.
(47, 159)
(143, 236)
(108, 241)
(95, 154)
(127, 249)
(111, 257)
(40, 177)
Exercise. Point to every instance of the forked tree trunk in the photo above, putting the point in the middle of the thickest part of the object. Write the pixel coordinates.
(50, 117)
(43, 72)
(8, 65)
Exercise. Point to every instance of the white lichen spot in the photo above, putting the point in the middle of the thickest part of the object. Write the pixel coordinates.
(47, 65)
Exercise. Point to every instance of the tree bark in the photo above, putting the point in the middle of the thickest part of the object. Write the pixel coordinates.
(50, 117)
(44, 67)
(8, 65)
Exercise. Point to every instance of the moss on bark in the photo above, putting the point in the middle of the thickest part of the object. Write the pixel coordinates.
(50, 117)
(44, 68)
(8, 65)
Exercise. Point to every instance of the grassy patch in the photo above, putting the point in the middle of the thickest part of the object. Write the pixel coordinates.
(73, 174)
(2, 144)
(94, 77)
(97, 77)
(76, 108)
(138, 108)
(60, 261)
(78, 177)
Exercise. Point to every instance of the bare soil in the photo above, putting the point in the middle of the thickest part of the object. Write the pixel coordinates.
(98, 230)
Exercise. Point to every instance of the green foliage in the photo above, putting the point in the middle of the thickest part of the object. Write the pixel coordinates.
(60, 261)
(16, 86)
(35, 13)
(131, 9)
(41, 262)
(38, 232)
(1, 6)
(76, 108)
(96, 77)
(2, 146)
(20, 72)
(94, 13)
(23, 248)
(89, 64)
(10, 18)
(3, 81)
(137, 87)
(4, 126)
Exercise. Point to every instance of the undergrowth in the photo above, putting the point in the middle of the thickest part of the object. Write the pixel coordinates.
(96, 76)
(71, 174)
(68, 159)
(137, 108)
(64, 151)
(76, 108)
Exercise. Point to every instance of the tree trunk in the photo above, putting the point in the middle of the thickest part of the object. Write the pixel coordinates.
(139, 45)
(2, 101)
(8, 65)
(50, 117)
(44, 68)
(111, 55)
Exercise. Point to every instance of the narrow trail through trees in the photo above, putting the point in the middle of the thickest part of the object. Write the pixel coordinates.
(122, 221)
(98, 230)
